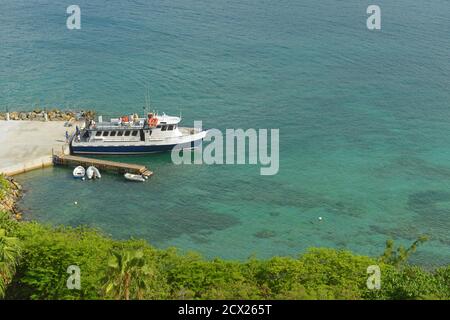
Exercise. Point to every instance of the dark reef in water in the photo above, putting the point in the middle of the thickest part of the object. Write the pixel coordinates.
(264, 234)
(427, 202)
(195, 224)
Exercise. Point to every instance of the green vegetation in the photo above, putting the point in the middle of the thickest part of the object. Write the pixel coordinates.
(128, 274)
(400, 256)
(133, 269)
(9, 257)
(4, 187)
(34, 259)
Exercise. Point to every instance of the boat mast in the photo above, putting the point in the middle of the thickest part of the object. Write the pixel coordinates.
(147, 102)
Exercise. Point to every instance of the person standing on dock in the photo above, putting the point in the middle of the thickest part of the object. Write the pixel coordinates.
(78, 133)
(67, 136)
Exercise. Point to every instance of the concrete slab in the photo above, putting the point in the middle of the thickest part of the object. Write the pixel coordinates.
(27, 145)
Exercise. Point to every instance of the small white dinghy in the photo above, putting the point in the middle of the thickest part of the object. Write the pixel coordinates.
(134, 177)
(79, 172)
(93, 173)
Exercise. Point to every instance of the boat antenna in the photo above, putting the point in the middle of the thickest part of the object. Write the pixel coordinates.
(145, 105)
(180, 114)
(148, 95)
(147, 98)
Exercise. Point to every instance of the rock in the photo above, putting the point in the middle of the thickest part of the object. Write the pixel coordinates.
(10, 197)
(16, 185)
(14, 116)
(89, 115)
(52, 115)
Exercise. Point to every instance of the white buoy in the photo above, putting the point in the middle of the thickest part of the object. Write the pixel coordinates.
(75, 202)
(320, 218)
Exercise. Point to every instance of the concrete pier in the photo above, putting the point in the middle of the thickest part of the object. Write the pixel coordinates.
(28, 145)
(119, 167)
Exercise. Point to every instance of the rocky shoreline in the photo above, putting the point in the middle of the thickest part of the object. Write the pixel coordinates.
(10, 193)
(48, 115)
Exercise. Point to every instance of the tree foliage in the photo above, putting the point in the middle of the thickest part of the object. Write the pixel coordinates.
(399, 256)
(127, 275)
(133, 269)
(9, 258)
(34, 259)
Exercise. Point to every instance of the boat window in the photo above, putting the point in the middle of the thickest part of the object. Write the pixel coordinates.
(134, 134)
(127, 133)
(98, 133)
(163, 128)
(105, 133)
(174, 126)
(120, 133)
(113, 133)
(170, 127)
(158, 127)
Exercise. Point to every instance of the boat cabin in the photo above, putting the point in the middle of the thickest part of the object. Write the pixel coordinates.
(132, 129)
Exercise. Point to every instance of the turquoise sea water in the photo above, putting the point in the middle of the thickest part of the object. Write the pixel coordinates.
(364, 119)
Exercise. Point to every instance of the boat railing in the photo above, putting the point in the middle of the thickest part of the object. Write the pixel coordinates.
(115, 126)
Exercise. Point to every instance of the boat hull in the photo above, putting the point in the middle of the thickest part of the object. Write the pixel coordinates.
(93, 173)
(132, 149)
(79, 172)
(134, 177)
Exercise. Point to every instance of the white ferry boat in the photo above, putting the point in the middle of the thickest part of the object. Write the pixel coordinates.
(134, 135)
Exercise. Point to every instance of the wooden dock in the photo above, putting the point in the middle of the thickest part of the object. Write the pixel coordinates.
(119, 167)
